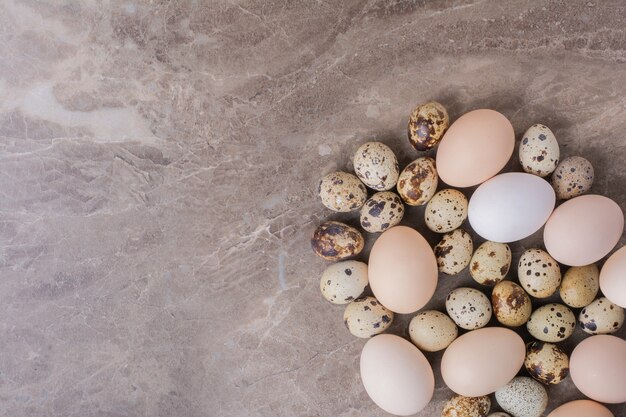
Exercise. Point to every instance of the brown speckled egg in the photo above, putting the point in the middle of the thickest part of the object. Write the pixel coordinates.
(417, 182)
(551, 323)
(580, 285)
(446, 211)
(572, 177)
(490, 263)
(335, 241)
(601, 317)
(427, 124)
(342, 192)
(546, 362)
(523, 397)
(365, 317)
(432, 330)
(469, 308)
(539, 151)
(511, 305)
(376, 165)
(539, 274)
(499, 414)
(454, 251)
(459, 406)
(381, 211)
(344, 281)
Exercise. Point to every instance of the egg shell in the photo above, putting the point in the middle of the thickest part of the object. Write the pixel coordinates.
(381, 211)
(432, 331)
(601, 317)
(581, 408)
(335, 241)
(342, 192)
(580, 285)
(546, 362)
(376, 165)
(511, 305)
(343, 282)
(418, 181)
(481, 361)
(551, 323)
(446, 211)
(613, 277)
(510, 206)
(469, 308)
(365, 317)
(523, 397)
(572, 177)
(427, 124)
(454, 251)
(539, 274)
(466, 406)
(539, 151)
(498, 415)
(396, 375)
(583, 230)
(490, 263)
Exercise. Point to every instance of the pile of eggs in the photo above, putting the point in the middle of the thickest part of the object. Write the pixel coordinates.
(402, 271)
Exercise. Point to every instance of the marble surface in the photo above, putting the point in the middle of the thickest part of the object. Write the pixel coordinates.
(158, 172)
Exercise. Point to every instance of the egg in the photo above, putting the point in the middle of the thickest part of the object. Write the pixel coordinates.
(581, 408)
(573, 177)
(551, 323)
(344, 281)
(583, 230)
(539, 150)
(366, 317)
(466, 406)
(469, 308)
(490, 263)
(432, 330)
(454, 251)
(523, 397)
(601, 317)
(475, 147)
(580, 285)
(417, 182)
(341, 191)
(612, 280)
(381, 211)
(546, 362)
(402, 270)
(511, 305)
(334, 241)
(446, 211)
(511, 206)
(539, 274)
(376, 165)
(396, 375)
(498, 415)
(427, 124)
(481, 361)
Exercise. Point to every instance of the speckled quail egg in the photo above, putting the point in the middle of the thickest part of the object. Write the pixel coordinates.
(580, 285)
(381, 211)
(446, 211)
(511, 305)
(454, 251)
(459, 406)
(427, 124)
(539, 150)
(538, 273)
(572, 177)
(490, 263)
(432, 330)
(418, 181)
(498, 415)
(469, 308)
(365, 317)
(344, 281)
(601, 317)
(341, 191)
(546, 362)
(551, 323)
(523, 397)
(334, 241)
(376, 165)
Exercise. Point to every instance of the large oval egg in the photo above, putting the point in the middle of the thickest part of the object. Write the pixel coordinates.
(581, 408)
(396, 375)
(402, 270)
(475, 148)
(511, 206)
(583, 230)
(483, 360)
(613, 278)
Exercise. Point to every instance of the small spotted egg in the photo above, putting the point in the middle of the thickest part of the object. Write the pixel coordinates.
(546, 362)
(539, 151)
(417, 182)
(365, 317)
(469, 308)
(490, 263)
(573, 177)
(511, 305)
(454, 251)
(538, 273)
(498, 415)
(427, 124)
(601, 317)
(341, 191)
(381, 211)
(459, 406)
(523, 397)
(432, 330)
(344, 281)
(376, 165)
(580, 285)
(446, 211)
(335, 241)
(551, 323)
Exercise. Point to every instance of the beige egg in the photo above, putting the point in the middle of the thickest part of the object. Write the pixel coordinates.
(511, 305)
(539, 151)
(523, 397)
(344, 281)
(601, 317)
(365, 317)
(341, 191)
(573, 177)
(381, 211)
(469, 308)
(417, 182)
(459, 406)
(432, 330)
(335, 241)
(498, 415)
(490, 263)
(546, 362)
(580, 285)
(427, 124)
(538, 273)
(376, 165)
(454, 251)
(551, 323)
(446, 211)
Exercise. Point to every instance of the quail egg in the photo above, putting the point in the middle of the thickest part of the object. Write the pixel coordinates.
(341, 191)
(572, 177)
(417, 182)
(551, 323)
(446, 211)
(538, 273)
(344, 281)
(511, 305)
(490, 263)
(376, 165)
(432, 330)
(335, 241)
(381, 211)
(523, 397)
(427, 124)
(539, 150)
(459, 406)
(365, 317)
(601, 317)
(454, 251)
(580, 285)
(546, 362)
(469, 308)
